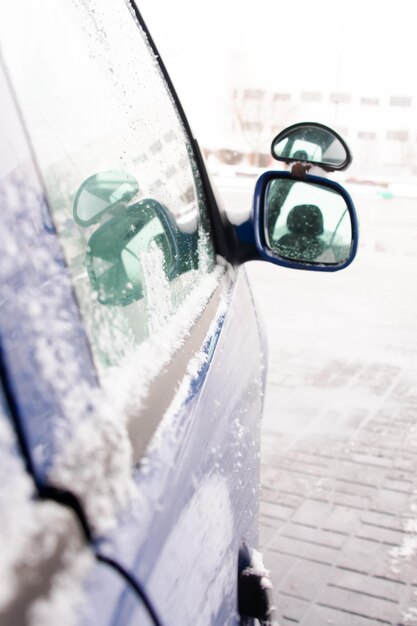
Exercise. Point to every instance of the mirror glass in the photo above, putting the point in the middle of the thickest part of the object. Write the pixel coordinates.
(102, 192)
(311, 143)
(306, 222)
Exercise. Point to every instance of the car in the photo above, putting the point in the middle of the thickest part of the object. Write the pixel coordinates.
(132, 356)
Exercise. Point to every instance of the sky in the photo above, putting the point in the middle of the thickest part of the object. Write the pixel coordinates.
(357, 25)
(273, 36)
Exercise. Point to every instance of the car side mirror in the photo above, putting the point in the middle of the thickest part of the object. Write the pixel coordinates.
(307, 223)
(103, 193)
(313, 143)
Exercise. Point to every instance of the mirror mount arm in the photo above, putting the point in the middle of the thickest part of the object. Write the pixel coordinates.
(246, 248)
(300, 169)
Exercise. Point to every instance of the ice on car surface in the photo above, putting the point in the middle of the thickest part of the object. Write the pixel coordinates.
(32, 534)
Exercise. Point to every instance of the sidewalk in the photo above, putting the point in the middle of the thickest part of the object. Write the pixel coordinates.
(338, 524)
(339, 476)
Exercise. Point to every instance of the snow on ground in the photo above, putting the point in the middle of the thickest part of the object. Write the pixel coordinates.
(341, 393)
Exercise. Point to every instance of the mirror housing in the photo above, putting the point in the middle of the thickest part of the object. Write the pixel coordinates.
(310, 142)
(304, 223)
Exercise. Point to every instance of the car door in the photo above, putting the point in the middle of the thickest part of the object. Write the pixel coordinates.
(132, 352)
(49, 573)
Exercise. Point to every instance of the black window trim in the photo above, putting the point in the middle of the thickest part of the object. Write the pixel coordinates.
(224, 236)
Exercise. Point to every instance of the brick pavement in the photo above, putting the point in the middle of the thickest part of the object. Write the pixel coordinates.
(339, 481)
(339, 516)
(338, 528)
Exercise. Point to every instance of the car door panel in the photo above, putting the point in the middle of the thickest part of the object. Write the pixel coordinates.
(162, 389)
(200, 482)
(49, 572)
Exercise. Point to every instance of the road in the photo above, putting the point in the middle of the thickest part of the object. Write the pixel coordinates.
(339, 470)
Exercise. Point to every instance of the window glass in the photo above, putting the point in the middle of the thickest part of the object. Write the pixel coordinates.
(340, 98)
(366, 134)
(397, 135)
(400, 101)
(370, 101)
(311, 96)
(115, 159)
(283, 97)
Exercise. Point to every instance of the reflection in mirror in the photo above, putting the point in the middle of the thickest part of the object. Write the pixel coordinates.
(311, 143)
(306, 222)
(119, 249)
(102, 192)
(114, 254)
(129, 239)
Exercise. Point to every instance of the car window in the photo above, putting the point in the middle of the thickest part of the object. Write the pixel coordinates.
(115, 159)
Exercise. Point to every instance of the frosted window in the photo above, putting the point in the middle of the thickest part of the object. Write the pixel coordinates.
(116, 163)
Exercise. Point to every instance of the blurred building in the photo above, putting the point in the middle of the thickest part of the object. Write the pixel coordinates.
(377, 117)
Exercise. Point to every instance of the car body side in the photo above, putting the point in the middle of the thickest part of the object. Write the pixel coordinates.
(180, 513)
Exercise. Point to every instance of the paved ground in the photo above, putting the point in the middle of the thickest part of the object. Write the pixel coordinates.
(339, 505)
